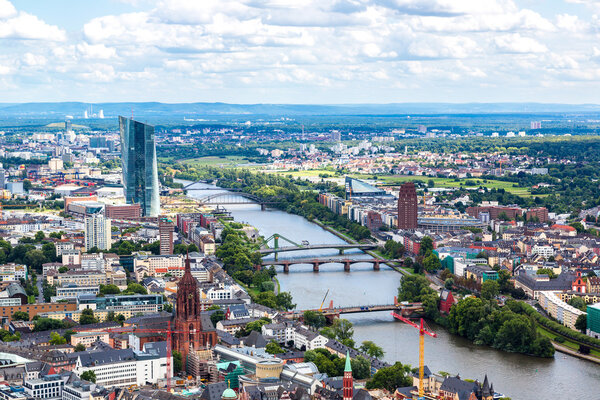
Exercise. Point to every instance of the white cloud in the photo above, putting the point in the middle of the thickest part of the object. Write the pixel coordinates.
(21, 25)
(7, 9)
(97, 51)
(516, 43)
(34, 60)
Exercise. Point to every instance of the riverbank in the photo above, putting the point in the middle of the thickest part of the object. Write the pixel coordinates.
(372, 253)
(522, 377)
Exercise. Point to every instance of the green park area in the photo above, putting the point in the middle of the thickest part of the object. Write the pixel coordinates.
(210, 161)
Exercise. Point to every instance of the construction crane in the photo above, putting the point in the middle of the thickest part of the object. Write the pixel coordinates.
(422, 333)
(323, 302)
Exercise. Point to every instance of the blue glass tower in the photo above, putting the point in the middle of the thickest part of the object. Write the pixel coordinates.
(140, 171)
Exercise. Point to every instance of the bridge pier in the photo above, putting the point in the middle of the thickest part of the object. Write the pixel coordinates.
(316, 267)
(376, 266)
(262, 207)
(341, 251)
(286, 268)
(347, 266)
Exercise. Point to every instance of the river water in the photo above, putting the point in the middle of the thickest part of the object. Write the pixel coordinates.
(515, 375)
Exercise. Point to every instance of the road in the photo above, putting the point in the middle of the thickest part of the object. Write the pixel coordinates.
(40, 298)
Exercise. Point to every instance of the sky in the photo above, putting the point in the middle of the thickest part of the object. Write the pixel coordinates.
(300, 51)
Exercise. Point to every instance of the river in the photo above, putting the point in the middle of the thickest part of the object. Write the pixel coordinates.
(517, 376)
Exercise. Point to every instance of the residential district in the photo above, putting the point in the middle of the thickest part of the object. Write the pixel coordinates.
(112, 286)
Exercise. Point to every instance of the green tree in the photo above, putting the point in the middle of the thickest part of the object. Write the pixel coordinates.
(109, 289)
(34, 259)
(177, 362)
(87, 317)
(284, 301)
(62, 270)
(217, 316)
(413, 288)
(46, 324)
(490, 289)
(371, 349)
(273, 348)
(39, 236)
(56, 339)
(361, 368)
(431, 262)
(80, 347)
(426, 246)
(581, 323)
(391, 378)
(49, 250)
(314, 318)
(449, 283)
(20, 316)
(343, 331)
(578, 302)
(133, 287)
(89, 376)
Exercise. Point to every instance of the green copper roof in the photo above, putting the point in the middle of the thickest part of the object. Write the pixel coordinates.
(348, 367)
(229, 394)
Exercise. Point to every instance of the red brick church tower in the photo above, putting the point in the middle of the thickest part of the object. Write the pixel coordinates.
(348, 382)
(188, 333)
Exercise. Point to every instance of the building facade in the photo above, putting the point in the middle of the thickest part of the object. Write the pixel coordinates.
(407, 206)
(165, 231)
(97, 232)
(140, 171)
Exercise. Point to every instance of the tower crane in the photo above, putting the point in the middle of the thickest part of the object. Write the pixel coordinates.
(422, 332)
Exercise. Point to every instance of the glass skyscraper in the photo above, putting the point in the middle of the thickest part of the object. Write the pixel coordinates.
(140, 172)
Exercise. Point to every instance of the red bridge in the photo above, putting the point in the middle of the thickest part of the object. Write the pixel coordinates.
(317, 262)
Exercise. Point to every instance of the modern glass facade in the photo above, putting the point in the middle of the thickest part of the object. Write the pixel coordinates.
(140, 172)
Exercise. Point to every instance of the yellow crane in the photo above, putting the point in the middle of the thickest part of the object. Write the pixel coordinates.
(323, 302)
(422, 333)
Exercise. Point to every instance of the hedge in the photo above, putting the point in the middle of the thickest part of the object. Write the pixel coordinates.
(561, 329)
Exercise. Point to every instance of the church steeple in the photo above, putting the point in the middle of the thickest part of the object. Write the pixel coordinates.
(348, 383)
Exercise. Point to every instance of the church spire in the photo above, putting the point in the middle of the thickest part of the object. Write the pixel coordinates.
(348, 366)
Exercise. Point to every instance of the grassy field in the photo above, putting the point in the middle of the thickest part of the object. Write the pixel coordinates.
(451, 183)
(227, 161)
(567, 343)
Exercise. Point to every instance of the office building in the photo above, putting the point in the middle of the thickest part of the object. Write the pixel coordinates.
(165, 230)
(138, 159)
(407, 206)
(47, 387)
(97, 232)
(123, 211)
(2, 178)
(98, 142)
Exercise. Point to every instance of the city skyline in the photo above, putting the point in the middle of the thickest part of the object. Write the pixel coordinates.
(359, 51)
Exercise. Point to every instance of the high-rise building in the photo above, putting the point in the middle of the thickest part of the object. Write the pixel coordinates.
(138, 159)
(165, 231)
(2, 178)
(189, 334)
(407, 206)
(97, 232)
(98, 142)
(68, 125)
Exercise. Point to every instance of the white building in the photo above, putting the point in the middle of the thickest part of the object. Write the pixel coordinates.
(97, 232)
(47, 387)
(125, 367)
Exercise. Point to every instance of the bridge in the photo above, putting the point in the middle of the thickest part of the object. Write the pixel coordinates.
(340, 247)
(317, 262)
(408, 310)
(227, 198)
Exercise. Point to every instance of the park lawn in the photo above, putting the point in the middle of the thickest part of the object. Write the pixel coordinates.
(567, 343)
(451, 182)
(310, 172)
(212, 161)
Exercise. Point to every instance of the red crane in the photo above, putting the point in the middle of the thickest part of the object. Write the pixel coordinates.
(422, 333)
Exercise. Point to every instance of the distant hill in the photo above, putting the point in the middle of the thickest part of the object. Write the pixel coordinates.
(197, 110)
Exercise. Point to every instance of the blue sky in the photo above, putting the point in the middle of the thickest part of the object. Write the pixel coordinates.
(300, 51)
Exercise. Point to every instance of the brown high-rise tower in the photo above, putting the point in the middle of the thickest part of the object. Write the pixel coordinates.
(188, 334)
(407, 206)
